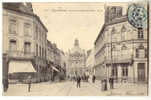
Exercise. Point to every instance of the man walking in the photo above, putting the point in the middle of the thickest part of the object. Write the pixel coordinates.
(93, 79)
(78, 81)
(111, 81)
(5, 84)
(29, 83)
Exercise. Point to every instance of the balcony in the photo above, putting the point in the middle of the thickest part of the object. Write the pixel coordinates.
(20, 55)
(119, 59)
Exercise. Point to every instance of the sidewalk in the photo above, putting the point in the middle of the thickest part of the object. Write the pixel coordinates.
(124, 89)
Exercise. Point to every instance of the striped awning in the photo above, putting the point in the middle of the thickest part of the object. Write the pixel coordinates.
(20, 66)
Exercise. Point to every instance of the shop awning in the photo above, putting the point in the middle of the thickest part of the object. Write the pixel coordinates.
(20, 66)
(54, 68)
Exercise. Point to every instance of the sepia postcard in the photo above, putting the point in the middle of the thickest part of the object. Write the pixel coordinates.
(75, 48)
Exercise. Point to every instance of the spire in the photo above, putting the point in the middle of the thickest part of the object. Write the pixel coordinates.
(76, 43)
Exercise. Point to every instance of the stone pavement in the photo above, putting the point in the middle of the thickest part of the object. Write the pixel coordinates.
(125, 89)
(69, 88)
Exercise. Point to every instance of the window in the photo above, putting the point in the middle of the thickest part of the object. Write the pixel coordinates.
(113, 30)
(146, 53)
(113, 48)
(137, 53)
(46, 53)
(12, 46)
(27, 29)
(27, 47)
(123, 30)
(37, 32)
(141, 53)
(119, 12)
(124, 71)
(39, 35)
(13, 26)
(39, 51)
(36, 49)
(123, 47)
(140, 34)
(114, 71)
(113, 10)
(42, 52)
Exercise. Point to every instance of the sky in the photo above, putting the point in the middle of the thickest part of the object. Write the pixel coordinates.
(67, 21)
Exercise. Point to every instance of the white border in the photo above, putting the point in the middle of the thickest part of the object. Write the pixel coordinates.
(68, 97)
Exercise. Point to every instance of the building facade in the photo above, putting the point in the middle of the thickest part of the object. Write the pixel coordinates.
(90, 62)
(120, 49)
(76, 60)
(24, 41)
(50, 60)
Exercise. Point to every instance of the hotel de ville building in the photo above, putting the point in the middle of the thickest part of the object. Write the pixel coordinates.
(121, 49)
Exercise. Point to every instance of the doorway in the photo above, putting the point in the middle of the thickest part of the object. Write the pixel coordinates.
(141, 72)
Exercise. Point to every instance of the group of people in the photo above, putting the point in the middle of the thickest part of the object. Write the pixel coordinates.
(84, 78)
(79, 78)
(104, 83)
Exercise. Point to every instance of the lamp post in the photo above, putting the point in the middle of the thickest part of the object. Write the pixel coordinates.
(111, 55)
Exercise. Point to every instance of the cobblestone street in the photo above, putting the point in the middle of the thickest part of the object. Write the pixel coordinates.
(69, 89)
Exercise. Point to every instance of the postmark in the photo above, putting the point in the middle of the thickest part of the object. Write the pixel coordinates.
(137, 16)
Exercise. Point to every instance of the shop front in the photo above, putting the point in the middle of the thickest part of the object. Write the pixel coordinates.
(19, 71)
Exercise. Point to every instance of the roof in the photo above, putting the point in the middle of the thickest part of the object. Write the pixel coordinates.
(17, 8)
(115, 21)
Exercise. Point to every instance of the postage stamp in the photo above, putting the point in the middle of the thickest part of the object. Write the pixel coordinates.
(137, 16)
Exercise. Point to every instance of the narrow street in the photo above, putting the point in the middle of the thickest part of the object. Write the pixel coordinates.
(69, 89)
(54, 89)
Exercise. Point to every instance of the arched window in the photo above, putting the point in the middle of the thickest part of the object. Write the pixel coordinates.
(123, 47)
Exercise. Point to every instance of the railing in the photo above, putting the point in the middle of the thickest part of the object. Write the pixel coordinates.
(20, 54)
(119, 59)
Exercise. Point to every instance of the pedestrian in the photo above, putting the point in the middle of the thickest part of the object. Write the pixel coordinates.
(29, 83)
(102, 85)
(105, 84)
(87, 78)
(93, 79)
(5, 84)
(78, 81)
(111, 82)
